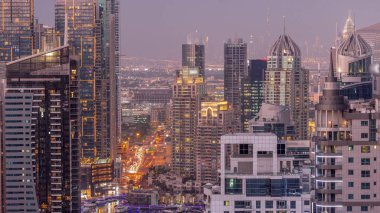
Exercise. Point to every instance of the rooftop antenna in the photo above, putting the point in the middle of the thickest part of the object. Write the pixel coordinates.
(284, 23)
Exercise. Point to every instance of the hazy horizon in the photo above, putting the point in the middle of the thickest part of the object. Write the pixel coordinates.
(156, 29)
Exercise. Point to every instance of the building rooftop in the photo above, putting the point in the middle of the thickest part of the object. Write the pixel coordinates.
(285, 46)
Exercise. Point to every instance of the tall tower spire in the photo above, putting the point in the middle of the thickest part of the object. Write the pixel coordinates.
(284, 19)
(331, 77)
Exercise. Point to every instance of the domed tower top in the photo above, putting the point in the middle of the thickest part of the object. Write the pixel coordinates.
(354, 46)
(285, 46)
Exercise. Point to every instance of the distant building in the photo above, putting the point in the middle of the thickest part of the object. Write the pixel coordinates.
(16, 37)
(371, 35)
(287, 83)
(235, 70)
(188, 90)
(41, 117)
(275, 119)
(152, 95)
(257, 175)
(215, 119)
(45, 37)
(193, 56)
(253, 90)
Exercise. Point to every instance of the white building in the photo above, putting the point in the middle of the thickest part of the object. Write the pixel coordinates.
(256, 176)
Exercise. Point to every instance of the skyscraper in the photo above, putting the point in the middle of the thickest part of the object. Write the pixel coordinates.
(214, 120)
(188, 90)
(287, 83)
(253, 90)
(193, 52)
(346, 152)
(235, 70)
(93, 34)
(41, 138)
(16, 29)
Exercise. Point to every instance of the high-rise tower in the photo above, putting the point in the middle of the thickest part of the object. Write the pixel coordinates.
(253, 91)
(235, 70)
(16, 29)
(193, 52)
(188, 90)
(93, 34)
(287, 83)
(41, 138)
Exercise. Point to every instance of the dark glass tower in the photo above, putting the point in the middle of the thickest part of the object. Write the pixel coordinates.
(193, 56)
(46, 86)
(253, 90)
(16, 29)
(235, 70)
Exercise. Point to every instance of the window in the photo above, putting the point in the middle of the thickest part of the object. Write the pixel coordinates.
(268, 204)
(293, 204)
(226, 203)
(366, 173)
(258, 204)
(364, 208)
(350, 147)
(350, 172)
(281, 204)
(245, 204)
(233, 186)
(364, 123)
(306, 202)
(350, 184)
(350, 196)
(366, 149)
(258, 187)
(350, 160)
(364, 135)
(349, 208)
(366, 161)
(365, 197)
(365, 186)
(243, 149)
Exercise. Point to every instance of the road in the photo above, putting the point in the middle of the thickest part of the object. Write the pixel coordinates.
(138, 159)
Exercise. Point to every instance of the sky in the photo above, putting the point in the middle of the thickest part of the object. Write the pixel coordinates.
(155, 29)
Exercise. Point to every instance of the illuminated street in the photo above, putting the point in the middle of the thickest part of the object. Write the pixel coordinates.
(137, 160)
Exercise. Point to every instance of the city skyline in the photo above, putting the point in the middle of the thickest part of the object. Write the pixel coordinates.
(164, 24)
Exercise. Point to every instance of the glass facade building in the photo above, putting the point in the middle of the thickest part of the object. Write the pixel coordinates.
(253, 90)
(49, 81)
(16, 29)
(93, 34)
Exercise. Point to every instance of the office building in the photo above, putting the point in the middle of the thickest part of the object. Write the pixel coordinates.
(193, 55)
(257, 175)
(16, 29)
(93, 33)
(346, 152)
(188, 90)
(214, 120)
(41, 138)
(235, 70)
(287, 83)
(253, 90)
